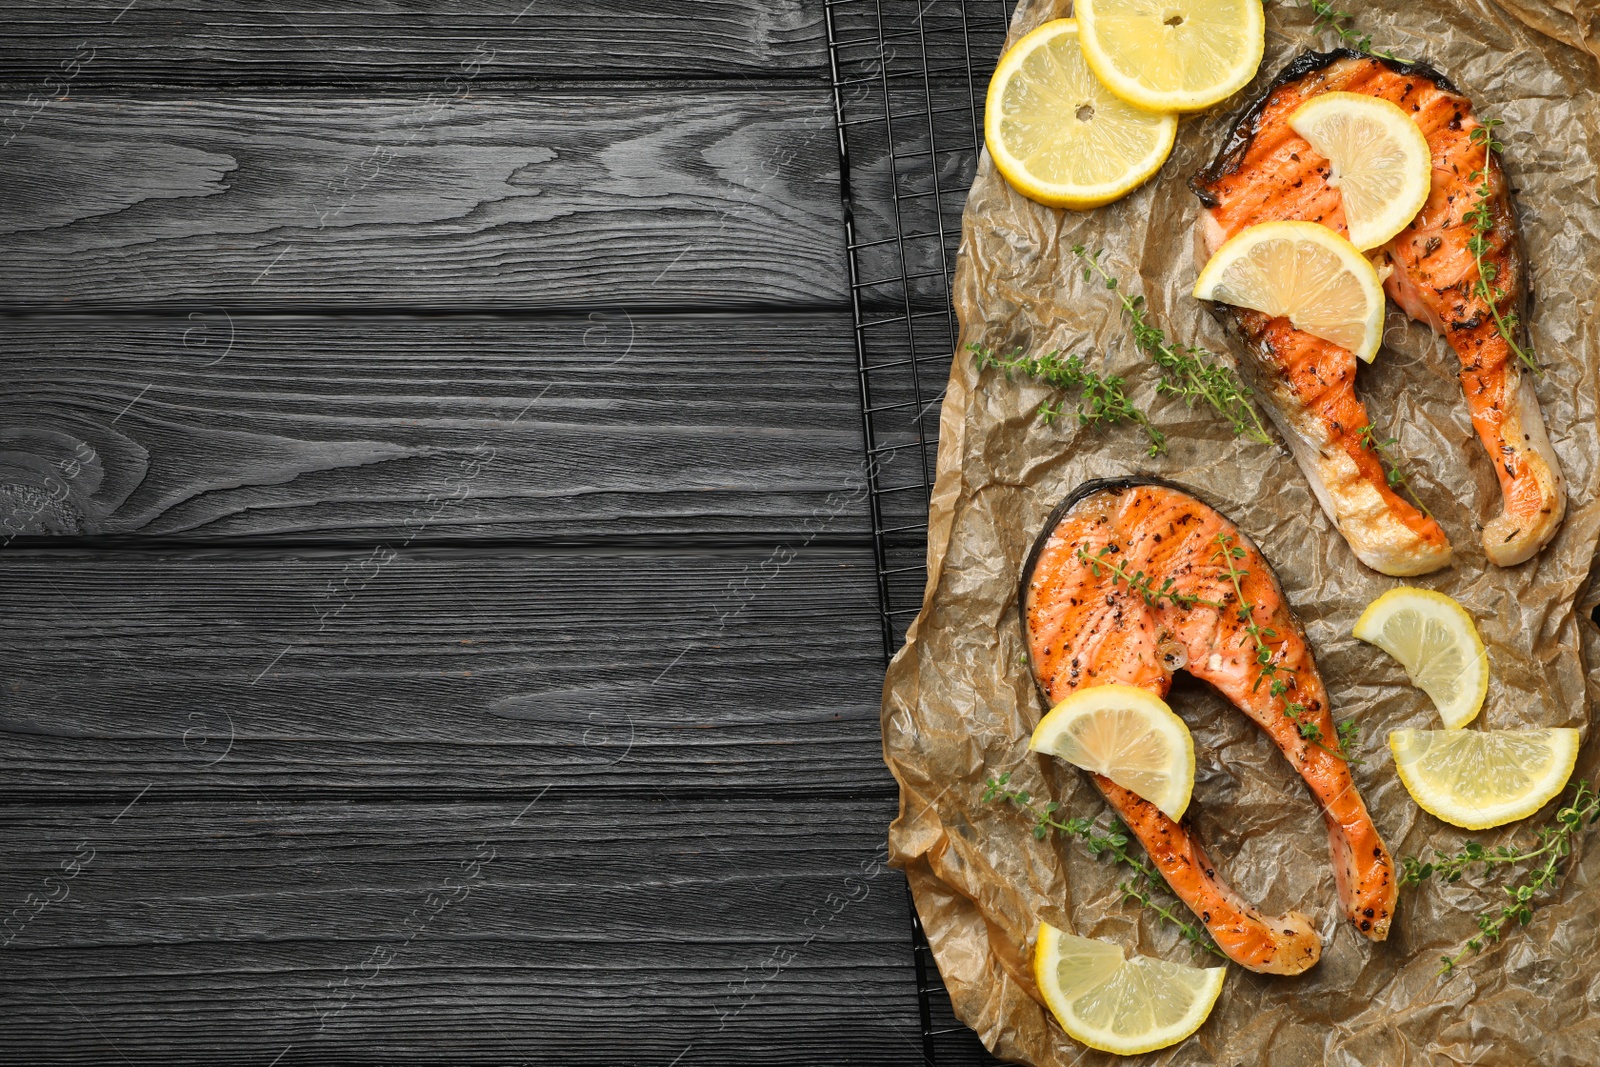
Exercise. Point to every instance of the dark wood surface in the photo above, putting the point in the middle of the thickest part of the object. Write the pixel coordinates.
(719, 930)
(166, 43)
(440, 617)
(539, 199)
(599, 422)
(444, 671)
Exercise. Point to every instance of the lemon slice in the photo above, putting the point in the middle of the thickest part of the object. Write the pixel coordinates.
(1435, 640)
(1176, 55)
(1128, 735)
(1055, 133)
(1482, 778)
(1382, 166)
(1304, 272)
(1119, 1005)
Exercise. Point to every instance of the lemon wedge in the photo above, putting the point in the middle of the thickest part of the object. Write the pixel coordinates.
(1057, 135)
(1128, 735)
(1119, 1005)
(1306, 273)
(1381, 163)
(1437, 643)
(1177, 55)
(1482, 778)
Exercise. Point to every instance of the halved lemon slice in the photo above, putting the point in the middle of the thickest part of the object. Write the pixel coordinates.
(1118, 1005)
(1482, 778)
(1172, 55)
(1382, 166)
(1128, 735)
(1057, 135)
(1437, 643)
(1306, 273)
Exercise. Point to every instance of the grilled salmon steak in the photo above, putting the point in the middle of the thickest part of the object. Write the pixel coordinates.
(1132, 580)
(1266, 172)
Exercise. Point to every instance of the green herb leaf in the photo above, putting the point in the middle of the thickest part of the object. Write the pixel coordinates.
(1329, 17)
(1195, 374)
(1111, 842)
(1102, 397)
(1554, 843)
(1280, 679)
(1140, 582)
(1393, 472)
(1481, 219)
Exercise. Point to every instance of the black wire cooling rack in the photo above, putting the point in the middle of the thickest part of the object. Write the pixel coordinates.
(909, 78)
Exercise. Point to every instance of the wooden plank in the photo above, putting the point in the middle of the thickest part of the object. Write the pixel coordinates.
(703, 197)
(186, 43)
(578, 426)
(263, 869)
(734, 672)
(744, 931)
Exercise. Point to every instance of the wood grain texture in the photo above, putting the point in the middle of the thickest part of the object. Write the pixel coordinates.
(702, 197)
(319, 739)
(597, 424)
(188, 43)
(409, 673)
(723, 932)
(909, 193)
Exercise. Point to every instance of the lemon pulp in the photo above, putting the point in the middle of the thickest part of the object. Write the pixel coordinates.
(1172, 55)
(1303, 272)
(1381, 162)
(1482, 778)
(1437, 643)
(1119, 1005)
(1057, 135)
(1127, 734)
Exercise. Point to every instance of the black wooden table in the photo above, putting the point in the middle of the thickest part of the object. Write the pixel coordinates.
(444, 570)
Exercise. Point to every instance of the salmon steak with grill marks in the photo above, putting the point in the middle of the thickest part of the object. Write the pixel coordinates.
(1266, 172)
(1132, 580)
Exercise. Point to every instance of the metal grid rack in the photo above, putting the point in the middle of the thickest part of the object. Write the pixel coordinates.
(909, 78)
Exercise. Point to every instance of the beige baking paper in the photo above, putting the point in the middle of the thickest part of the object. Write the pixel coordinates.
(959, 703)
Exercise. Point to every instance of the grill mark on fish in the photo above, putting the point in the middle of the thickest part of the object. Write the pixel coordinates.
(1068, 624)
(1263, 174)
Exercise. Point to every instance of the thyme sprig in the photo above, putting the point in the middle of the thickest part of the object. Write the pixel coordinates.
(1114, 842)
(1481, 219)
(1188, 371)
(1229, 553)
(1111, 842)
(1348, 733)
(1554, 845)
(1330, 18)
(1139, 582)
(1393, 472)
(1139, 891)
(1280, 679)
(1102, 397)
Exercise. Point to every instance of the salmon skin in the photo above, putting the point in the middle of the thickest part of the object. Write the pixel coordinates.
(1085, 629)
(1266, 172)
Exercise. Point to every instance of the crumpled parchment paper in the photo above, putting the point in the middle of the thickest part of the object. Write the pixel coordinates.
(959, 703)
